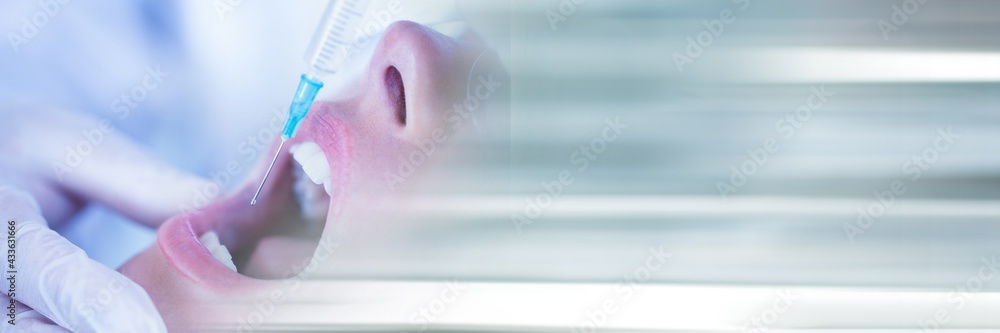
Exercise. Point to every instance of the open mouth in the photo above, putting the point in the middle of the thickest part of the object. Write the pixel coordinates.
(229, 240)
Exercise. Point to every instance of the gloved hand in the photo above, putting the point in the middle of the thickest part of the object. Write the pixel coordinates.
(57, 287)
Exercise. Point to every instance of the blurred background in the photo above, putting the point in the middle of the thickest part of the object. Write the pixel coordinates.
(754, 141)
(795, 221)
(688, 130)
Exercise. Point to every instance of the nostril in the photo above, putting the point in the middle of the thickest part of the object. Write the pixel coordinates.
(397, 93)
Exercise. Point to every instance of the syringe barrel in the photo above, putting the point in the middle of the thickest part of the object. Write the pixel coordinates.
(333, 41)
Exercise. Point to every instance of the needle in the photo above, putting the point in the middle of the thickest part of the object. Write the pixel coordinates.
(268, 173)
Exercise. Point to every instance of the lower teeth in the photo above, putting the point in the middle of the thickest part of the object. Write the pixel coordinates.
(211, 242)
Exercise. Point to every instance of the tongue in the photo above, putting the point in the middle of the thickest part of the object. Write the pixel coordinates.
(278, 257)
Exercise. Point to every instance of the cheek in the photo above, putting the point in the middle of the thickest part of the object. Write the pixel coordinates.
(378, 155)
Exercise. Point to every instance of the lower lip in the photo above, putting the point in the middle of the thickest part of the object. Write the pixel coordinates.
(178, 241)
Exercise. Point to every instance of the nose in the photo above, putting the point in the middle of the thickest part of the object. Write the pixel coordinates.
(409, 79)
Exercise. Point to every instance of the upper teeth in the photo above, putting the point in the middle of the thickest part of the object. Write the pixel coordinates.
(313, 202)
(211, 242)
(314, 163)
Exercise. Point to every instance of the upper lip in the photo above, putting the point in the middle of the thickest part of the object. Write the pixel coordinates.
(234, 219)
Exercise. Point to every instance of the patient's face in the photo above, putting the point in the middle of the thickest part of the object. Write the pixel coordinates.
(355, 159)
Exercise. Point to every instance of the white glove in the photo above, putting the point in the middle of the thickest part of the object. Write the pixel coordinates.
(57, 287)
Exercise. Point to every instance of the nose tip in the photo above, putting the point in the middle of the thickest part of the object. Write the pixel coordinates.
(402, 31)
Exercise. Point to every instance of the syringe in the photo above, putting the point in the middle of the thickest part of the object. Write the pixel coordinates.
(328, 52)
